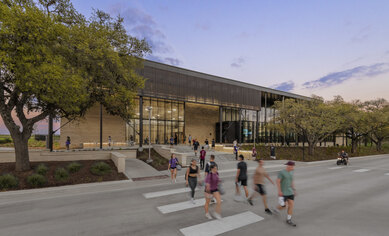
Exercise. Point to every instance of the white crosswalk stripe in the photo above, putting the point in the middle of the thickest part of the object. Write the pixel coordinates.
(387, 174)
(181, 206)
(226, 224)
(336, 167)
(165, 193)
(361, 170)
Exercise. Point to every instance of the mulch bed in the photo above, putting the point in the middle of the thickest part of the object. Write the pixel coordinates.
(82, 176)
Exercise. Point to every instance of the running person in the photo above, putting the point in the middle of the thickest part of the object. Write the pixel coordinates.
(173, 162)
(259, 185)
(202, 158)
(286, 191)
(241, 177)
(192, 174)
(211, 190)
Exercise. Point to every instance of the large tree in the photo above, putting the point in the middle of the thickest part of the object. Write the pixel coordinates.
(55, 62)
(378, 120)
(313, 119)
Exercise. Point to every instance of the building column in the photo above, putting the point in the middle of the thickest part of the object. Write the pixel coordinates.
(240, 125)
(256, 127)
(140, 121)
(265, 123)
(220, 124)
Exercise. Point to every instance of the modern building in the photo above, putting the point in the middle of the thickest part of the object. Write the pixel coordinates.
(186, 103)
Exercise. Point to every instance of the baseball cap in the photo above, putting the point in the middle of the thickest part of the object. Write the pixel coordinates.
(290, 163)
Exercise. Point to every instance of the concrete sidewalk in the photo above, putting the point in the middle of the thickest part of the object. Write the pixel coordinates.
(138, 170)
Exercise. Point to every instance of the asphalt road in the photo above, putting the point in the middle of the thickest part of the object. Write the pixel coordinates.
(352, 200)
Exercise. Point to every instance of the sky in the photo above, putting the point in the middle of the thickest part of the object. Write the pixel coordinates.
(326, 48)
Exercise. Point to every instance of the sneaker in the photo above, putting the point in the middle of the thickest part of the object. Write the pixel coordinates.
(208, 216)
(290, 222)
(251, 202)
(217, 216)
(175, 181)
(267, 211)
(192, 201)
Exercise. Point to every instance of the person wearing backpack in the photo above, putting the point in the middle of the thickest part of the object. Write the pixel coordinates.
(173, 162)
(191, 176)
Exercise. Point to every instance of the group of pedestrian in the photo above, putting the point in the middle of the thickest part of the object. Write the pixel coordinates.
(212, 181)
(285, 186)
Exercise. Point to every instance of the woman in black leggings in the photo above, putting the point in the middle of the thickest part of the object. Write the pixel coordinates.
(192, 172)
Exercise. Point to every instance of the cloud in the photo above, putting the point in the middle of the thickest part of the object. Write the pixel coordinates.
(167, 60)
(142, 25)
(238, 62)
(362, 35)
(285, 86)
(172, 61)
(342, 76)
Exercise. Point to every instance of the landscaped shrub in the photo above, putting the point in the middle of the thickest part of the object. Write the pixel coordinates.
(100, 168)
(41, 169)
(8, 181)
(36, 180)
(5, 140)
(74, 167)
(61, 174)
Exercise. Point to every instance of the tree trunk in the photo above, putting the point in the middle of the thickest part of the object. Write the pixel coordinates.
(311, 148)
(379, 145)
(22, 160)
(354, 144)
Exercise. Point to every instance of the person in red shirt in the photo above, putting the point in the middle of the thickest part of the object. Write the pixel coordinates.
(202, 158)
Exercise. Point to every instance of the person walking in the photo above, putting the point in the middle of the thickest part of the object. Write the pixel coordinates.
(192, 176)
(190, 140)
(254, 153)
(235, 144)
(202, 158)
(241, 177)
(209, 164)
(213, 144)
(67, 143)
(211, 190)
(272, 152)
(259, 185)
(173, 162)
(206, 144)
(109, 141)
(196, 145)
(286, 191)
(171, 141)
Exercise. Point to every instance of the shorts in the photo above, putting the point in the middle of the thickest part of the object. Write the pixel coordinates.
(212, 191)
(261, 189)
(283, 199)
(243, 182)
(173, 168)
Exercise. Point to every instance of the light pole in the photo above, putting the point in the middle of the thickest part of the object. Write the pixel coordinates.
(149, 109)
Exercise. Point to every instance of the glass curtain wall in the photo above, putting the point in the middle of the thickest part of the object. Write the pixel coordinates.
(247, 119)
(167, 120)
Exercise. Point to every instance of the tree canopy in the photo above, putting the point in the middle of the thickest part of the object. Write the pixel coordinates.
(54, 61)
